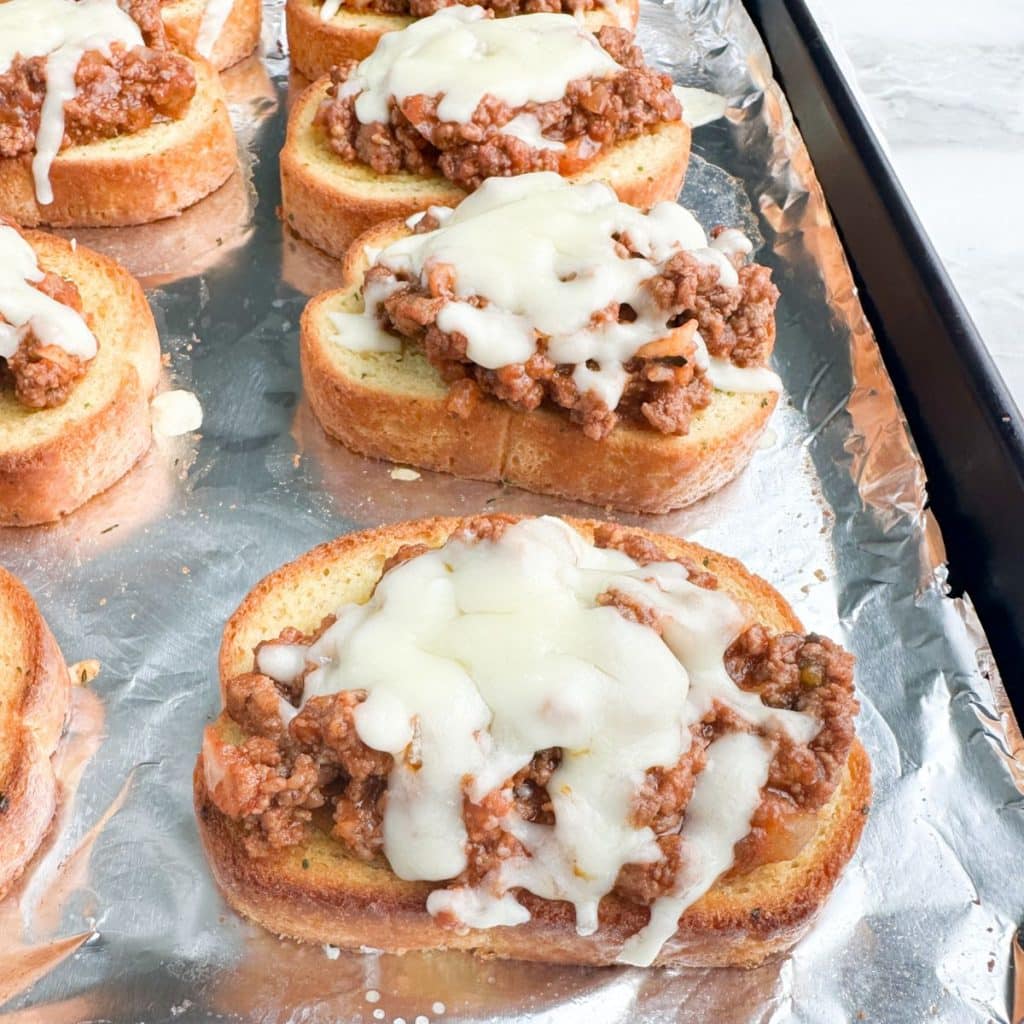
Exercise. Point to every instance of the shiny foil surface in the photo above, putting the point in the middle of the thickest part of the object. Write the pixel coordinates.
(119, 919)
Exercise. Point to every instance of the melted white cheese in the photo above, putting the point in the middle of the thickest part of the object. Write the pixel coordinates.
(463, 55)
(718, 815)
(176, 413)
(330, 9)
(24, 308)
(215, 17)
(557, 265)
(475, 656)
(526, 127)
(62, 31)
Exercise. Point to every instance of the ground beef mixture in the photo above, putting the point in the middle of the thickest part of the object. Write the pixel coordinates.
(116, 96)
(43, 376)
(663, 389)
(593, 114)
(280, 776)
(501, 8)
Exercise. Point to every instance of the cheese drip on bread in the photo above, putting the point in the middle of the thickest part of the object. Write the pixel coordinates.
(24, 308)
(62, 31)
(215, 17)
(478, 654)
(558, 263)
(462, 55)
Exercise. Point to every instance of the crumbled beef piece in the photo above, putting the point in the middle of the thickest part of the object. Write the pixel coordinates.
(631, 608)
(43, 375)
(146, 14)
(463, 396)
(665, 792)
(736, 323)
(529, 786)
(272, 795)
(254, 702)
(116, 95)
(644, 883)
(526, 792)
(593, 114)
(491, 527)
(290, 635)
(802, 673)
(644, 551)
(404, 554)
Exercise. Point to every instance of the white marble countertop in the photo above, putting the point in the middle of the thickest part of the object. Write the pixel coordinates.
(944, 82)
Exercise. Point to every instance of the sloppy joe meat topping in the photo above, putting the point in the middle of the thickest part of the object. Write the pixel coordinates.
(588, 305)
(693, 684)
(471, 98)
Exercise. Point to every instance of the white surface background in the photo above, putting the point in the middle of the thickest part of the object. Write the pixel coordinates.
(944, 81)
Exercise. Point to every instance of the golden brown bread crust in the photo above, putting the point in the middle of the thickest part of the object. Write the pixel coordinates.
(135, 178)
(633, 469)
(316, 46)
(317, 893)
(54, 460)
(238, 38)
(330, 202)
(34, 698)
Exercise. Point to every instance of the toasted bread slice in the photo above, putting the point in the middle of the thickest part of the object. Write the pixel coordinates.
(392, 406)
(34, 698)
(317, 892)
(330, 202)
(53, 460)
(316, 46)
(237, 39)
(135, 178)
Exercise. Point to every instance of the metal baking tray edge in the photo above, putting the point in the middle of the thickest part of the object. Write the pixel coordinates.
(968, 430)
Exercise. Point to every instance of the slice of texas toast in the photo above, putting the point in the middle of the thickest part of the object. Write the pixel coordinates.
(316, 46)
(329, 201)
(135, 178)
(34, 694)
(318, 893)
(53, 460)
(391, 405)
(237, 39)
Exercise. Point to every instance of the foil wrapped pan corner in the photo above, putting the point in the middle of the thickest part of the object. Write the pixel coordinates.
(119, 920)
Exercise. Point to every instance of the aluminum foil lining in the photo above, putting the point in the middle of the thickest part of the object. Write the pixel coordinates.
(119, 920)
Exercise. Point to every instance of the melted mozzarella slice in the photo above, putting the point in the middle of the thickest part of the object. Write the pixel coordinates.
(557, 265)
(462, 55)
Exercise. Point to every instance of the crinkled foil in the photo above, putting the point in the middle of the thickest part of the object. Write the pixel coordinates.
(119, 919)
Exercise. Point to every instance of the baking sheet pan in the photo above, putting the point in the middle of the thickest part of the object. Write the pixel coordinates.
(119, 921)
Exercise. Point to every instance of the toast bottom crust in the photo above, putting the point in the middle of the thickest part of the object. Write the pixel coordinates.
(40, 710)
